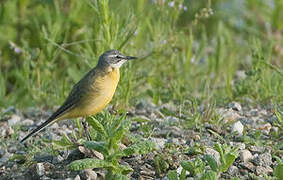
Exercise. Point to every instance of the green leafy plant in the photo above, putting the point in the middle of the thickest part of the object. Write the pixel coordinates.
(278, 171)
(107, 132)
(196, 167)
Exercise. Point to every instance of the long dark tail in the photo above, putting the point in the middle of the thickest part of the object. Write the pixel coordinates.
(38, 129)
(62, 110)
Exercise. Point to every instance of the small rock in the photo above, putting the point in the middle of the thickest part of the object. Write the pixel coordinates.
(172, 120)
(54, 126)
(196, 137)
(12, 148)
(40, 169)
(98, 155)
(89, 174)
(2, 152)
(235, 106)
(248, 165)
(27, 122)
(77, 177)
(256, 149)
(146, 171)
(240, 74)
(274, 129)
(159, 142)
(57, 159)
(260, 170)
(263, 112)
(264, 159)
(238, 128)
(246, 156)
(174, 141)
(229, 115)
(4, 159)
(179, 170)
(10, 131)
(233, 170)
(213, 153)
(122, 146)
(254, 112)
(241, 146)
(90, 153)
(265, 128)
(14, 120)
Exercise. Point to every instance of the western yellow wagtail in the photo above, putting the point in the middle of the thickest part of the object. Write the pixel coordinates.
(92, 93)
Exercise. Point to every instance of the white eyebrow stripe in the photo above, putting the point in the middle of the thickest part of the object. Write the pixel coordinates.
(112, 55)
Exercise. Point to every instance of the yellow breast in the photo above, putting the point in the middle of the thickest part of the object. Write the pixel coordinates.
(99, 95)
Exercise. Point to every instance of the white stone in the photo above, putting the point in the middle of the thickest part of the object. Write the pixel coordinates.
(159, 142)
(14, 120)
(235, 106)
(77, 177)
(246, 156)
(40, 169)
(229, 115)
(90, 174)
(238, 128)
(27, 122)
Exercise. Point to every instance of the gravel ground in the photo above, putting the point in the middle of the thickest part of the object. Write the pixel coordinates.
(254, 130)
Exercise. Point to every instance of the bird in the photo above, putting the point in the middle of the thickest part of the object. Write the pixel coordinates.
(92, 93)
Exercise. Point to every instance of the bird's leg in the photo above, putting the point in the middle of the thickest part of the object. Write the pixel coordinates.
(84, 123)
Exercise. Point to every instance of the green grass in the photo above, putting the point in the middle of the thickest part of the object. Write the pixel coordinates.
(185, 55)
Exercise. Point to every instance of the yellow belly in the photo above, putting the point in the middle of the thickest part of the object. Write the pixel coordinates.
(98, 97)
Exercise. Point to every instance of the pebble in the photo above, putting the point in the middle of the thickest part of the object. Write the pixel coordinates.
(89, 174)
(4, 159)
(196, 137)
(57, 159)
(14, 120)
(265, 128)
(213, 153)
(274, 129)
(246, 156)
(233, 170)
(27, 122)
(264, 159)
(40, 169)
(256, 149)
(172, 120)
(263, 112)
(254, 112)
(77, 178)
(260, 170)
(229, 115)
(238, 128)
(54, 126)
(248, 165)
(240, 74)
(159, 142)
(241, 146)
(2, 151)
(10, 131)
(235, 106)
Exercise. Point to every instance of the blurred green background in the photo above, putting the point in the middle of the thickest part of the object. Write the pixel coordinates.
(191, 50)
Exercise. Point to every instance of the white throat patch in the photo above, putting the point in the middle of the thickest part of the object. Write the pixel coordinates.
(119, 64)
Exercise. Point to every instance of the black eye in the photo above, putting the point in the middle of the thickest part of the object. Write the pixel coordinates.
(118, 56)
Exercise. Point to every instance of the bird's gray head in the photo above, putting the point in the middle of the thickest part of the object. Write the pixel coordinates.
(114, 58)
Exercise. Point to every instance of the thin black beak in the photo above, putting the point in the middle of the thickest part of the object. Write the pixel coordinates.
(130, 57)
